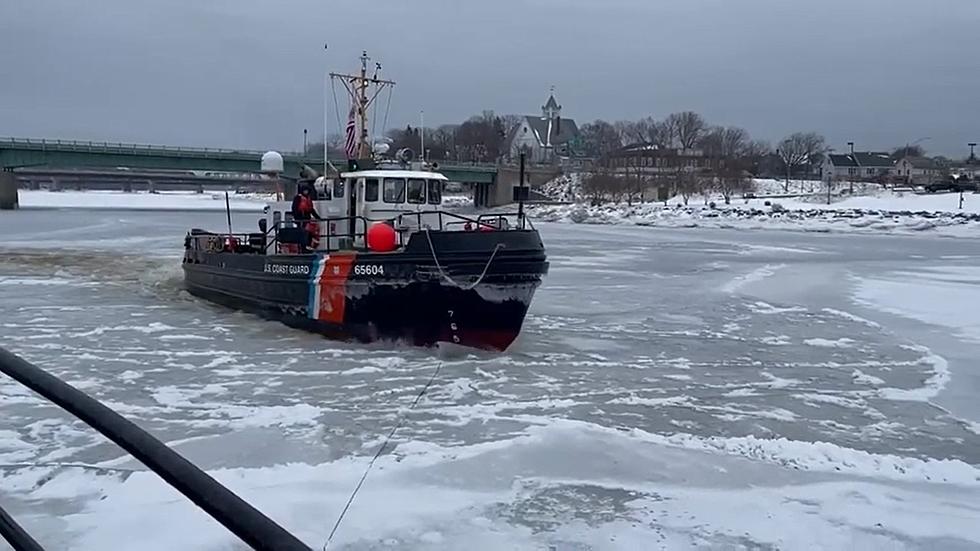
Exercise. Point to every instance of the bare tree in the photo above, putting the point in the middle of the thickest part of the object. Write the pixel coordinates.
(729, 152)
(755, 154)
(600, 138)
(627, 132)
(600, 185)
(908, 151)
(687, 127)
(667, 131)
(511, 122)
(799, 149)
(654, 132)
(481, 138)
(758, 149)
(634, 182)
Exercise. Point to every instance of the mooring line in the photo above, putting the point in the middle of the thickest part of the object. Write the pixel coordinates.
(381, 450)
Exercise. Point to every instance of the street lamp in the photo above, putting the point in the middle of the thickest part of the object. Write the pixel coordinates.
(520, 194)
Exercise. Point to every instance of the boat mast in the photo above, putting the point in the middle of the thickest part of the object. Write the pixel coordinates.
(357, 89)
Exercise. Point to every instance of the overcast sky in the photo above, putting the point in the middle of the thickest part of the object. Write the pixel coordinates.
(249, 73)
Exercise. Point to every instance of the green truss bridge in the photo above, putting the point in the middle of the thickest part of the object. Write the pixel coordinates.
(18, 153)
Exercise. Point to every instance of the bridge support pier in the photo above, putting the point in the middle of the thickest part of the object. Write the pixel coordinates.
(481, 195)
(8, 191)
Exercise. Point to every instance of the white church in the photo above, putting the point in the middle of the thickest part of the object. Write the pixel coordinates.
(547, 138)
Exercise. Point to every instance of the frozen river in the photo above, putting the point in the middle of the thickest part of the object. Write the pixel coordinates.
(671, 389)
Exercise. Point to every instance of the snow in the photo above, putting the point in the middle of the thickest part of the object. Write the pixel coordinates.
(752, 277)
(362, 370)
(566, 187)
(456, 201)
(852, 317)
(827, 343)
(754, 215)
(634, 487)
(707, 398)
(117, 200)
(936, 296)
(891, 201)
(870, 209)
(863, 378)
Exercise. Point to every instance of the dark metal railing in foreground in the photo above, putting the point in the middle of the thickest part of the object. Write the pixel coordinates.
(246, 522)
(353, 229)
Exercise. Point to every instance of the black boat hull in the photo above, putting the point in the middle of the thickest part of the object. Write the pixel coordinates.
(475, 292)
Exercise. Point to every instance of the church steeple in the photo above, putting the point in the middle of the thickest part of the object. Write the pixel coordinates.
(551, 109)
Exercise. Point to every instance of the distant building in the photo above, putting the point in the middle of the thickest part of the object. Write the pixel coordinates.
(917, 170)
(653, 160)
(546, 139)
(858, 166)
(662, 169)
(970, 168)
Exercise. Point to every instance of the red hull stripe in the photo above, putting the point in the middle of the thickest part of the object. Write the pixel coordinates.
(329, 287)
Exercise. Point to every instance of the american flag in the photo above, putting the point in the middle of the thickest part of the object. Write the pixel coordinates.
(350, 146)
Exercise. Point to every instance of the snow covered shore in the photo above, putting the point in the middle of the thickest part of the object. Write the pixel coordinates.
(857, 214)
(117, 200)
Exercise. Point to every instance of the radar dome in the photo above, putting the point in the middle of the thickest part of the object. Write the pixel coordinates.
(272, 162)
(405, 155)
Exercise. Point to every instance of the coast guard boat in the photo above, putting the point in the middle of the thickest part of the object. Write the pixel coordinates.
(384, 261)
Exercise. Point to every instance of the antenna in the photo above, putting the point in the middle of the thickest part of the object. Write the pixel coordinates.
(422, 134)
(357, 89)
(326, 77)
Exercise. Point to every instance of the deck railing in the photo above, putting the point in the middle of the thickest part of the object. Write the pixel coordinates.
(346, 233)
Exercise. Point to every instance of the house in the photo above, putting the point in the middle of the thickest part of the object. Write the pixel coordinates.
(546, 139)
(858, 166)
(917, 170)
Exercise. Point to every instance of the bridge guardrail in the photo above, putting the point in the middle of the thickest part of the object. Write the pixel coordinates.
(106, 146)
(42, 144)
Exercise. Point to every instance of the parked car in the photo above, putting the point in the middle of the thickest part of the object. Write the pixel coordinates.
(953, 185)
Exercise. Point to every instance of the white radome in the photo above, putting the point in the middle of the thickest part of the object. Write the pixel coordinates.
(272, 162)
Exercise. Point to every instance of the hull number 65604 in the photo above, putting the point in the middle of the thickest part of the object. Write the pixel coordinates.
(369, 269)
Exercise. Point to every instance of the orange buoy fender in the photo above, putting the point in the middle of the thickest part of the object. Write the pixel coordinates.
(382, 238)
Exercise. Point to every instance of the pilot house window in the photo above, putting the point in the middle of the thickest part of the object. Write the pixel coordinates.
(371, 190)
(416, 191)
(394, 190)
(435, 192)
